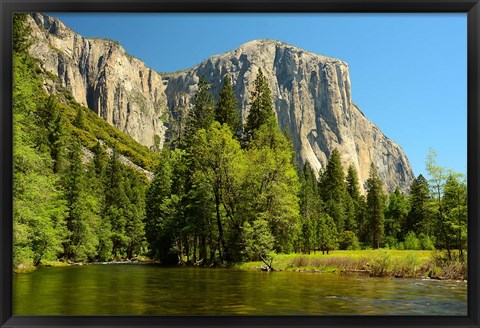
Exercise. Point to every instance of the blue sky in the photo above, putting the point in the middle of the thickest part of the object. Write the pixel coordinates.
(408, 71)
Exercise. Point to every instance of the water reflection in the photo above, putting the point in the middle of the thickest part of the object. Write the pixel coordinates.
(152, 290)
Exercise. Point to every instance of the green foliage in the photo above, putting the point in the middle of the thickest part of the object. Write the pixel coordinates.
(352, 183)
(333, 190)
(258, 241)
(38, 208)
(395, 214)
(83, 209)
(348, 241)
(375, 208)
(273, 184)
(411, 241)
(327, 234)
(210, 200)
(79, 121)
(163, 206)
(310, 209)
(21, 33)
(419, 216)
(425, 242)
(226, 109)
(261, 106)
(202, 114)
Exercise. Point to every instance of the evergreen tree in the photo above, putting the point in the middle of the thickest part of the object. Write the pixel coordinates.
(328, 234)
(164, 209)
(115, 203)
(100, 160)
(226, 109)
(333, 190)
(202, 114)
(261, 106)
(310, 209)
(375, 207)
(418, 218)
(176, 123)
(352, 183)
(79, 120)
(395, 215)
(134, 212)
(51, 132)
(455, 209)
(82, 218)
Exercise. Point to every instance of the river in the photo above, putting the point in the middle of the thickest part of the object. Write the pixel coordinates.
(136, 289)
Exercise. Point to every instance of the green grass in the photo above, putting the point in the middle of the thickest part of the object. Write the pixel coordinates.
(377, 263)
(54, 264)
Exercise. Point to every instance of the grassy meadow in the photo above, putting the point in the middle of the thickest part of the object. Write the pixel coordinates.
(377, 263)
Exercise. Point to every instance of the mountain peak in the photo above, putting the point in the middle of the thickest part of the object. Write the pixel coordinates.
(311, 93)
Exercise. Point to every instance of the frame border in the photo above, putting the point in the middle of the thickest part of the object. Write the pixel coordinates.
(470, 7)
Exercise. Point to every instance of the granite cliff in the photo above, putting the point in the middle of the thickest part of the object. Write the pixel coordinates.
(312, 95)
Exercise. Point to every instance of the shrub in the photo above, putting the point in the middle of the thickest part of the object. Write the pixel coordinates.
(381, 263)
(425, 242)
(391, 242)
(411, 241)
(348, 241)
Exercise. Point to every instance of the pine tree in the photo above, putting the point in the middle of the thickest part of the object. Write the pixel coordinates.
(164, 209)
(375, 207)
(51, 132)
(333, 190)
(115, 203)
(202, 115)
(418, 218)
(352, 183)
(135, 212)
(395, 216)
(261, 106)
(328, 234)
(82, 219)
(226, 109)
(310, 209)
(79, 120)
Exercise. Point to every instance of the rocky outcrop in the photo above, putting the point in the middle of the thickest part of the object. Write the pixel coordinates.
(102, 76)
(312, 95)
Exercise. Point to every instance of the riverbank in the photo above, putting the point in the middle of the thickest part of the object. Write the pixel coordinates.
(27, 268)
(374, 263)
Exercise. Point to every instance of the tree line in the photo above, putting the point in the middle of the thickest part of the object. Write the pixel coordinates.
(223, 192)
(227, 193)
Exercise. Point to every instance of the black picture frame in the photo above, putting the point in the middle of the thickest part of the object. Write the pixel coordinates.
(470, 7)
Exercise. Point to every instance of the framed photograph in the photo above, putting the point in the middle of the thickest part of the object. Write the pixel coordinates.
(240, 163)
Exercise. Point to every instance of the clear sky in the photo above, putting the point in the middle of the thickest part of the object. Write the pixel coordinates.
(408, 71)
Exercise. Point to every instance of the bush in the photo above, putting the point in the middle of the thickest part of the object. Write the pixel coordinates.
(348, 241)
(391, 242)
(381, 264)
(426, 242)
(411, 241)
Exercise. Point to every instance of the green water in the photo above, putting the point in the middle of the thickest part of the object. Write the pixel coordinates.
(128, 289)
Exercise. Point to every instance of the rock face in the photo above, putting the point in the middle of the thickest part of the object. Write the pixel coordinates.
(102, 76)
(311, 94)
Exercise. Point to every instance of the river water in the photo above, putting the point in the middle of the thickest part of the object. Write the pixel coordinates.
(136, 289)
